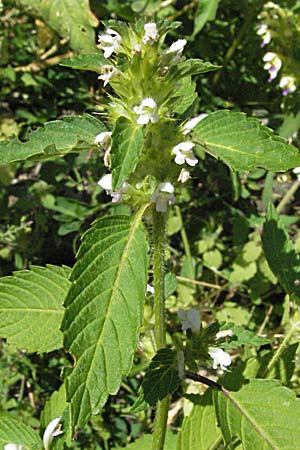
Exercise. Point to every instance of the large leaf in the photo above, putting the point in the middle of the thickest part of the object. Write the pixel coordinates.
(31, 307)
(263, 415)
(244, 143)
(89, 61)
(127, 145)
(71, 19)
(54, 139)
(280, 253)
(13, 431)
(199, 430)
(104, 311)
(206, 11)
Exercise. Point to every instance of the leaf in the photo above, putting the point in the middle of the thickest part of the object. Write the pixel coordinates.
(161, 377)
(244, 143)
(145, 442)
(199, 430)
(206, 11)
(127, 144)
(104, 311)
(90, 61)
(31, 307)
(263, 414)
(71, 19)
(16, 432)
(56, 138)
(280, 253)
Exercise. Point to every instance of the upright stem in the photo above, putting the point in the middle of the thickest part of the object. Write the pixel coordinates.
(159, 236)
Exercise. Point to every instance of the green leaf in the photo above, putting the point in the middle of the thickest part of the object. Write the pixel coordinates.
(145, 442)
(161, 377)
(104, 311)
(244, 143)
(13, 431)
(90, 61)
(31, 308)
(127, 145)
(263, 415)
(199, 430)
(206, 11)
(71, 19)
(56, 138)
(280, 253)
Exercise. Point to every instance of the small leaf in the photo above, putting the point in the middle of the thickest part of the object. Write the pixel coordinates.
(161, 377)
(13, 431)
(89, 61)
(206, 11)
(263, 415)
(104, 311)
(31, 307)
(127, 145)
(280, 253)
(244, 143)
(56, 138)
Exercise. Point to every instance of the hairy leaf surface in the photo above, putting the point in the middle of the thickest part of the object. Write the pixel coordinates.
(127, 145)
(31, 307)
(13, 431)
(104, 311)
(244, 143)
(263, 415)
(56, 138)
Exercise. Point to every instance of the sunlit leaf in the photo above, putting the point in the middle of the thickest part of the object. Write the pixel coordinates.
(13, 431)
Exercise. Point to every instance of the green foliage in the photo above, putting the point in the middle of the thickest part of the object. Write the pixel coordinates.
(31, 298)
(16, 432)
(206, 11)
(146, 441)
(104, 310)
(85, 61)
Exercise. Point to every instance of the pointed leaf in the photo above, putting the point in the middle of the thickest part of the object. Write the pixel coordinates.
(31, 307)
(13, 431)
(263, 415)
(104, 311)
(56, 138)
(244, 143)
(127, 144)
(89, 61)
(280, 253)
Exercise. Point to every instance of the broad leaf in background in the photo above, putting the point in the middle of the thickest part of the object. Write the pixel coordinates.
(71, 19)
(89, 61)
(104, 311)
(145, 442)
(127, 145)
(13, 431)
(206, 11)
(56, 138)
(263, 415)
(199, 430)
(282, 258)
(31, 307)
(244, 143)
(161, 378)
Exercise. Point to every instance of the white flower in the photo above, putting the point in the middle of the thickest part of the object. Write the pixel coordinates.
(296, 170)
(163, 196)
(150, 289)
(12, 447)
(272, 64)
(103, 139)
(109, 42)
(190, 319)
(151, 33)
(263, 31)
(183, 153)
(177, 46)
(106, 183)
(223, 334)
(221, 358)
(190, 124)
(288, 85)
(147, 111)
(107, 71)
(184, 176)
(52, 430)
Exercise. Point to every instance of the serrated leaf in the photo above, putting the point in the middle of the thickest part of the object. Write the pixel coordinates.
(104, 311)
(263, 414)
(280, 253)
(71, 19)
(193, 66)
(55, 138)
(206, 11)
(161, 377)
(244, 143)
(16, 432)
(127, 145)
(199, 430)
(31, 307)
(90, 61)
